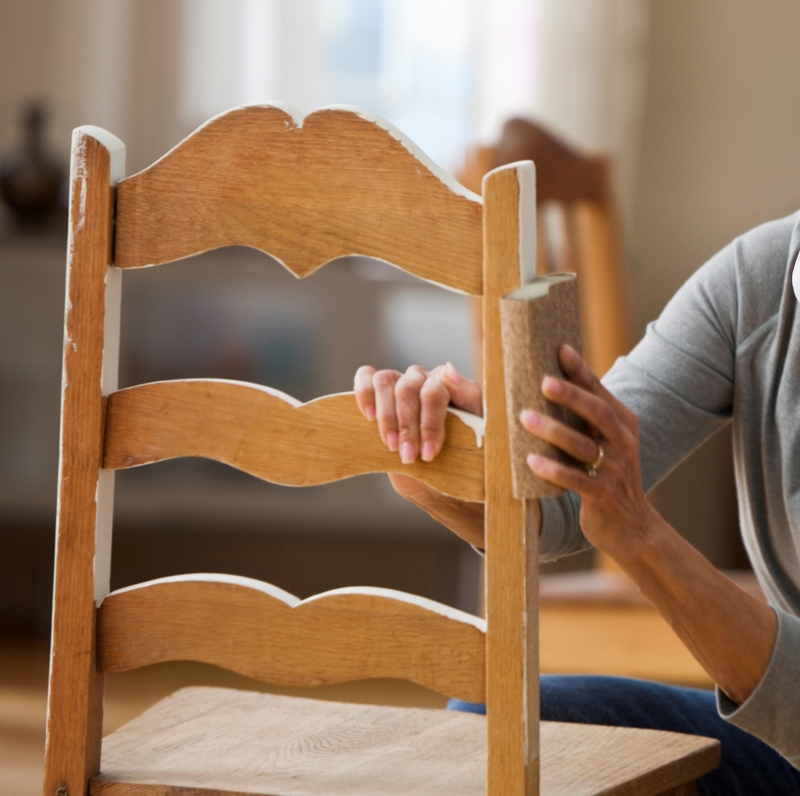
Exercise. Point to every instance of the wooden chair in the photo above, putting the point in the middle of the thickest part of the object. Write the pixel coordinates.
(577, 228)
(307, 191)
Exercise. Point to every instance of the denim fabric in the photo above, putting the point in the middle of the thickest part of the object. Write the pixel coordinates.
(749, 767)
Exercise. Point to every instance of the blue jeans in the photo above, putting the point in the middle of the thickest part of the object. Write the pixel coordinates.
(748, 768)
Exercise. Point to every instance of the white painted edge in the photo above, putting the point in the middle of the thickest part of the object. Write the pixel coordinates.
(103, 531)
(526, 175)
(402, 597)
(320, 266)
(287, 108)
(526, 222)
(293, 602)
(476, 423)
(213, 577)
(285, 397)
(297, 117)
(443, 176)
(115, 147)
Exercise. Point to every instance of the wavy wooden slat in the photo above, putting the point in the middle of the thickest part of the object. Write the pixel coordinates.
(260, 631)
(341, 181)
(272, 436)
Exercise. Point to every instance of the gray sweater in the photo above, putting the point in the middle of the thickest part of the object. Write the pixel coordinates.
(726, 349)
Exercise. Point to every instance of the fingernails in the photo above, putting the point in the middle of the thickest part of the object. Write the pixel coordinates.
(391, 441)
(570, 352)
(407, 453)
(453, 374)
(534, 461)
(369, 411)
(552, 386)
(428, 452)
(530, 419)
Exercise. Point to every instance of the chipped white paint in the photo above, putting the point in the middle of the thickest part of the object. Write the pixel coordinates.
(104, 497)
(526, 176)
(104, 492)
(293, 602)
(402, 597)
(476, 423)
(298, 120)
(525, 173)
(213, 577)
(115, 147)
(113, 306)
(285, 397)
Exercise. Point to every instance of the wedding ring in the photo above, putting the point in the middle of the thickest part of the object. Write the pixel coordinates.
(591, 469)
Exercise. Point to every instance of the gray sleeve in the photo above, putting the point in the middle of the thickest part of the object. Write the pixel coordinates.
(679, 382)
(771, 711)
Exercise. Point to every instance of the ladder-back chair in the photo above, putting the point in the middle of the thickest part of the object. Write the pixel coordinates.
(307, 191)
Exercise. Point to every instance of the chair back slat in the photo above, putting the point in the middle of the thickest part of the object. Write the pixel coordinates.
(259, 631)
(269, 435)
(306, 191)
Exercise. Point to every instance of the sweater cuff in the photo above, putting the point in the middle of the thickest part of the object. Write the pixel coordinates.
(772, 711)
(561, 533)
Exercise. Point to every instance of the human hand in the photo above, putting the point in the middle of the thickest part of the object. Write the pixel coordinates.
(614, 509)
(411, 409)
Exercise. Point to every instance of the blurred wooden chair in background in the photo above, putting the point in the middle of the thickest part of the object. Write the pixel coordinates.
(577, 229)
(306, 190)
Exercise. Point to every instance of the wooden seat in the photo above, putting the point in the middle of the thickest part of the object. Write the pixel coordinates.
(208, 738)
(307, 191)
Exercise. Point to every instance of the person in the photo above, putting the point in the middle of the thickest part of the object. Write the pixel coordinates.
(726, 349)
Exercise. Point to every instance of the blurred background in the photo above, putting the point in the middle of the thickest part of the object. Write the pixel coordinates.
(696, 102)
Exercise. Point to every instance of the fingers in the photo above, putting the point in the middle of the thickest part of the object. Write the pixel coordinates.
(385, 411)
(434, 399)
(407, 397)
(578, 372)
(564, 476)
(411, 407)
(596, 411)
(572, 442)
(465, 393)
(365, 392)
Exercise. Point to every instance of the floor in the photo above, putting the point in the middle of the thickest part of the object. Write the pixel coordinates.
(23, 703)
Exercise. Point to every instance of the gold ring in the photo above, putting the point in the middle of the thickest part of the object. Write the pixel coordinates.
(591, 469)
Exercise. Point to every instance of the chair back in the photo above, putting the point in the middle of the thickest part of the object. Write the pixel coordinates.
(338, 182)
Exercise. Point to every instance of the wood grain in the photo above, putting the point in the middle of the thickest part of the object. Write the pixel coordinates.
(216, 742)
(259, 631)
(307, 191)
(265, 434)
(512, 525)
(536, 320)
(75, 706)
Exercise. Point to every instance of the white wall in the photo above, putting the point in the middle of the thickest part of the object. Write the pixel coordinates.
(720, 154)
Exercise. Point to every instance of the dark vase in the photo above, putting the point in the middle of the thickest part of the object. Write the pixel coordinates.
(31, 180)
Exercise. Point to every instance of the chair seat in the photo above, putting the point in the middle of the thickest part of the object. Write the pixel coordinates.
(220, 742)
